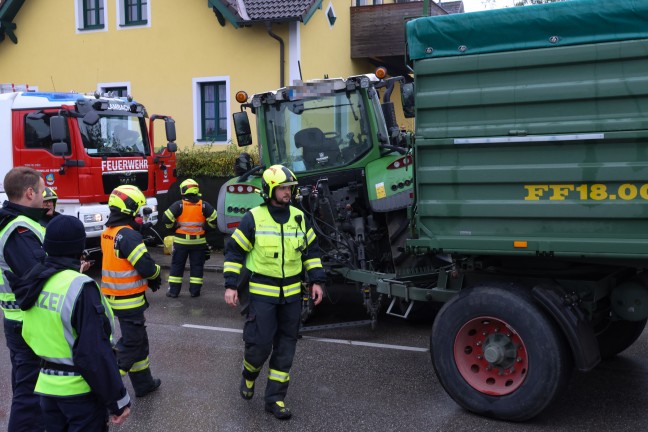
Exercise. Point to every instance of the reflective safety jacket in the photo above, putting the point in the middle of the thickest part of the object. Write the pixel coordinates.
(8, 303)
(276, 254)
(190, 217)
(48, 330)
(126, 267)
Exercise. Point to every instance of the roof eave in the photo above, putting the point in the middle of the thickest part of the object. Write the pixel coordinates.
(224, 10)
(8, 12)
(311, 11)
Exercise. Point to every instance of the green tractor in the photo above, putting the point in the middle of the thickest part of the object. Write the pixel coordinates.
(352, 160)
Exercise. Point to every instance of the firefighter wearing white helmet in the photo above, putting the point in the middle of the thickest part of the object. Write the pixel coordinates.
(190, 217)
(127, 270)
(275, 243)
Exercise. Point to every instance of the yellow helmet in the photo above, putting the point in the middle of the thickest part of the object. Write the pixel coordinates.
(189, 187)
(277, 175)
(127, 199)
(49, 194)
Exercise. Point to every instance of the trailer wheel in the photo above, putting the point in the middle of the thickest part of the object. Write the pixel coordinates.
(619, 335)
(497, 354)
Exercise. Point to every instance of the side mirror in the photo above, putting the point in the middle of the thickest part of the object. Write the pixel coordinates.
(58, 129)
(242, 128)
(91, 118)
(407, 99)
(169, 127)
(172, 147)
(60, 148)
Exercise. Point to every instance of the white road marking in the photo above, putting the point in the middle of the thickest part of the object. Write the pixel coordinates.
(319, 339)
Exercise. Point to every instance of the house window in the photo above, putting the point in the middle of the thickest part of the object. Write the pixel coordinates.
(330, 15)
(211, 110)
(118, 89)
(90, 15)
(135, 12)
(214, 111)
(93, 14)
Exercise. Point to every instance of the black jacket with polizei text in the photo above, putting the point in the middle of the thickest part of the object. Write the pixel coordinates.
(234, 253)
(92, 352)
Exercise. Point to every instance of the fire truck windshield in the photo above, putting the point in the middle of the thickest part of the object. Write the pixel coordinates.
(115, 135)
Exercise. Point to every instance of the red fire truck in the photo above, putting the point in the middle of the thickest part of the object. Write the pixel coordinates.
(85, 145)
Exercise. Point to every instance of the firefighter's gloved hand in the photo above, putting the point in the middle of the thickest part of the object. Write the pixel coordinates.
(154, 284)
(207, 253)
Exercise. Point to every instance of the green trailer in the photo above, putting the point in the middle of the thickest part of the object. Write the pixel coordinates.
(531, 196)
(531, 183)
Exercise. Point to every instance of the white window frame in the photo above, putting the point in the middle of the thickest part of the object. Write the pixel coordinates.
(101, 87)
(121, 16)
(197, 108)
(79, 22)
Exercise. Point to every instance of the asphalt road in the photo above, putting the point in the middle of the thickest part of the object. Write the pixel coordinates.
(343, 379)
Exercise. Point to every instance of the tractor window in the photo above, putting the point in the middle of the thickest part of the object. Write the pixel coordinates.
(37, 133)
(322, 132)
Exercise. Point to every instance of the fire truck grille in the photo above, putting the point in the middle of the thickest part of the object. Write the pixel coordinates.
(139, 179)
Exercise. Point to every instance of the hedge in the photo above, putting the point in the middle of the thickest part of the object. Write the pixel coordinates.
(206, 160)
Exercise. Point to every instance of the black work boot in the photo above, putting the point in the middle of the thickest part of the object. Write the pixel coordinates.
(279, 410)
(246, 388)
(143, 382)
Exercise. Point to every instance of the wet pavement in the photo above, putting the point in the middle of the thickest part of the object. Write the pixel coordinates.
(343, 379)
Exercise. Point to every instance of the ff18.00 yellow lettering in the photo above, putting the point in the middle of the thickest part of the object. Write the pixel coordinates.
(583, 192)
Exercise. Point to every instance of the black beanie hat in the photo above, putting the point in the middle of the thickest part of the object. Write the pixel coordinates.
(64, 236)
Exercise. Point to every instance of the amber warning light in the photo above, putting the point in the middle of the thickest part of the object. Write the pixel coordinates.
(241, 97)
(381, 72)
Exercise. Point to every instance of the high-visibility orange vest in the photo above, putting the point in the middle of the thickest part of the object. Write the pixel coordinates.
(118, 276)
(192, 220)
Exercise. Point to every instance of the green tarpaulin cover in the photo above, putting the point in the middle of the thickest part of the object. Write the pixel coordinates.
(573, 22)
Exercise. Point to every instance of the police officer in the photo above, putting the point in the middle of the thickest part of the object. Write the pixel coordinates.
(276, 245)
(49, 202)
(69, 324)
(21, 238)
(190, 214)
(127, 270)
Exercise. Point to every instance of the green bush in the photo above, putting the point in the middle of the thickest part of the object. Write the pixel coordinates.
(204, 160)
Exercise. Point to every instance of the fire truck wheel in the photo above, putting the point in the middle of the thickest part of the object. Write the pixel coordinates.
(616, 336)
(497, 354)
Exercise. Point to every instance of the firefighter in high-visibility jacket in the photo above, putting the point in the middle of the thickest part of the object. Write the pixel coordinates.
(276, 244)
(190, 216)
(127, 269)
(21, 248)
(69, 325)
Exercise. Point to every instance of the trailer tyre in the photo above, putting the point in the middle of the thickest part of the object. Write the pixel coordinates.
(498, 354)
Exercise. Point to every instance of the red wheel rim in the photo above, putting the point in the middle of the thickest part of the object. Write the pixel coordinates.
(491, 356)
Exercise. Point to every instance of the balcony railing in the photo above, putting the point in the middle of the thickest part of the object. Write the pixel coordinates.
(378, 27)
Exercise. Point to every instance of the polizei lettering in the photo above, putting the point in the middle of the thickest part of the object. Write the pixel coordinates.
(124, 165)
(50, 301)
